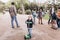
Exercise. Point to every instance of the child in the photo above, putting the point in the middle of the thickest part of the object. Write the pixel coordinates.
(29, 23)
(40, 16)
(34, 15)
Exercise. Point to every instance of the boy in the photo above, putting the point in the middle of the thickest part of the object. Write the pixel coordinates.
(29, 23)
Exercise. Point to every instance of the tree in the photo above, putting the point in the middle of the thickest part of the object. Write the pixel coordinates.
(20, 4)
(2, 6)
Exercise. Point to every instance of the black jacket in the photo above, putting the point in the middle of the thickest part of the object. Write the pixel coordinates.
(29, 23)
(54, 16)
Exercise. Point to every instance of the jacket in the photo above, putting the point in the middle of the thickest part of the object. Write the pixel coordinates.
(29, 23)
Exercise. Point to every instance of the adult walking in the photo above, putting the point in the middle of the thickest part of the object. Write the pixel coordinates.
(13, 14)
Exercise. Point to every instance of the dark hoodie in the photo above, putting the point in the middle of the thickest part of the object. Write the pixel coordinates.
(29, 23)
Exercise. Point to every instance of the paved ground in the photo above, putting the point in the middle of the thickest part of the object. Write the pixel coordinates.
(40, 32)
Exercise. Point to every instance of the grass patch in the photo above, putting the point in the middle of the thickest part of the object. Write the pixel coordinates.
(46, 16)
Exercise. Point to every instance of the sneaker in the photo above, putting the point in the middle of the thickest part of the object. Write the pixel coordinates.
(18, 26)
(42, 23)
(12, 27)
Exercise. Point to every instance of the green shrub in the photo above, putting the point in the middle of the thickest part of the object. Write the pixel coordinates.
(26, 6)
(28, 12)
(30, 6)
(20, 11)
(2, 8)
(33, 6)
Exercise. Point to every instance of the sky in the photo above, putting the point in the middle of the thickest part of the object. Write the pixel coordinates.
(4, 1)
(40, 1)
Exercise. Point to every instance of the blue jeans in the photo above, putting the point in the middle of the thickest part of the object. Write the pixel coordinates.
(34, 18)
(12, 21)
(30, 31)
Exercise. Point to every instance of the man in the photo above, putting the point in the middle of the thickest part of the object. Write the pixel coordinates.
(12, 11)
(52, 10)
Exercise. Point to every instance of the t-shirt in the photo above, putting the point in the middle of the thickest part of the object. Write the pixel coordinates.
(39, 14)
(34, 12)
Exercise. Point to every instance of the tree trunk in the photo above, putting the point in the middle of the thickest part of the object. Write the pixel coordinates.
(23, 10)
(22, 6)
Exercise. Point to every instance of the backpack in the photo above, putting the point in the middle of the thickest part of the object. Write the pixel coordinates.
(12, 11)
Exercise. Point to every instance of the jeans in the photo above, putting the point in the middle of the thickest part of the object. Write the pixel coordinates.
(12, 21)
(30, 31)
(34, 18)
(50, 19)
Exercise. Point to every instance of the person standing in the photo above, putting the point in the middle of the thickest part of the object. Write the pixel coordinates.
(52, 10)
(29, 23)
(13, 14)
(40, 16)
(34, 15)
